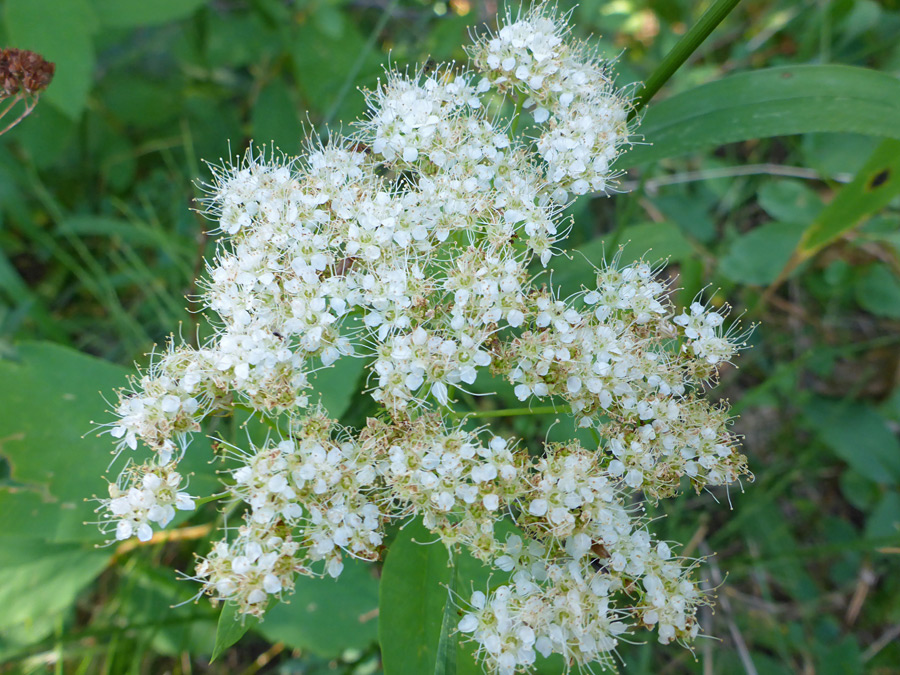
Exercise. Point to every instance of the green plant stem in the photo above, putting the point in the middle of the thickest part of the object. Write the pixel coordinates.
(253, 411)
(517, 114)
(680, 53)
(386, 15)
(517, 412)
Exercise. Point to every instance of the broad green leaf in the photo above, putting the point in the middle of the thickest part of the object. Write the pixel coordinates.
(61, 32)
(858, 435)
(832, 154)
(41, 578)
(838, 656)
(769, 102)
(56, 463)
(133, 13)
(322, 63)
(884, 521)
(236, 39)
(876, 184)
(759, 255)
(327, 616)
(43, 419)
(651, 241)
(338, 383)
(878, 291)
(412, 600)
(46, 134)
(231, 628)
(275, 119)
(158, 605)
(789, 201)
(654, 241)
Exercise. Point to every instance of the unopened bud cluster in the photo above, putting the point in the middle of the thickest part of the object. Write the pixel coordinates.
(415, 245)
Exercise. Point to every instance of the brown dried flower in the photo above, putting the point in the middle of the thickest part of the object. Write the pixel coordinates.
(24, 71)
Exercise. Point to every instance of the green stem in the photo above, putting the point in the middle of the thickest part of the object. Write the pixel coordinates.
(212, 498)
(253, 411)
(386, 15)
(517, 114)
(517, 412)
(680, 53)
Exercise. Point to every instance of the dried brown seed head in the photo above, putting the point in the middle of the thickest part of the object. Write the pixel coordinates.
(24, 71)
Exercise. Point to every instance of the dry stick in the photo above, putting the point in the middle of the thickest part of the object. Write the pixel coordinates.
(180, 534)
(12, 104)
(725, 604)
(28, 108)
(887, 638)
(866, 580)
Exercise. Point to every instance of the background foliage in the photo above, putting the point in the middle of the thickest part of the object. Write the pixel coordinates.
(772, 173)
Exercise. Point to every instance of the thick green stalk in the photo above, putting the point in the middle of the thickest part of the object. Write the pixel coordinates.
(680, 53)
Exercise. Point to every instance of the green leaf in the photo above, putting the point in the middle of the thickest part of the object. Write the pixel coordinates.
(878, 291)
(789, 201)
(328, 616)
(338, 383)
(856, 433)
(322, 62)
(55, 463)
(445, 662)
(412, 601)
(132, 13)
(884, 521)
(759, 255)
(61, 32)
(231, 627)
(874, 186)
(416, 606)
(654, 241)
(43, 578)
(650, 241)
(769, 102)
(275, 118)
(54, 468)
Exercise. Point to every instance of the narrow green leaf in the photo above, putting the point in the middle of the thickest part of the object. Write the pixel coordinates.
(876, 184)
(231, 628)
(445, 663)
(770, 102)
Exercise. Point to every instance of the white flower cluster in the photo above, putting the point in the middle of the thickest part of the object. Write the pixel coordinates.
(415, 246)
(143, 495)
(585, 548)
(581, 116)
